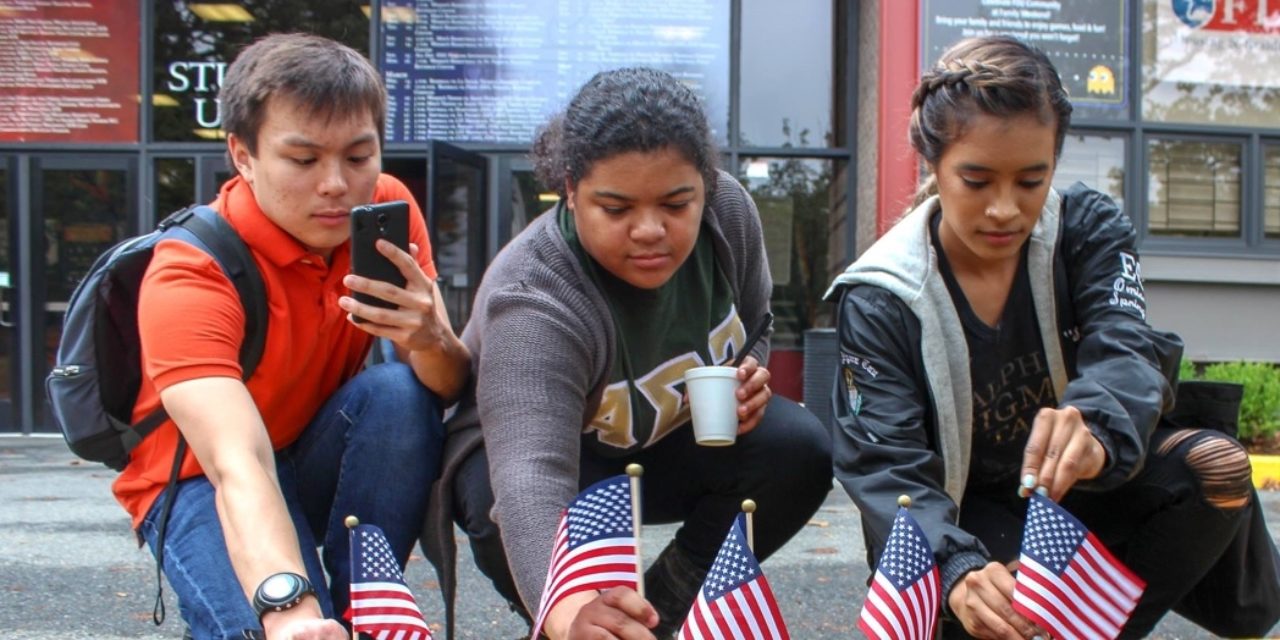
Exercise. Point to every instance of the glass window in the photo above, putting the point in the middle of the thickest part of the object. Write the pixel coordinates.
(1271, 186)
(803, 235)
(195, 41)
(175, 185)
(1194, 189)
(785, 92)
(1097, 161)
(1209, 62)
(7, 281)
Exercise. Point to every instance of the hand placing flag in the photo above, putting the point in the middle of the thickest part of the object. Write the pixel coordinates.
(381, 604)
(1068, 583)
(902, 603)
(735, 600)
(595, 546)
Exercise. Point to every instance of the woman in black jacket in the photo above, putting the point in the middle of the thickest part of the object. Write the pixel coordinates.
(995, 342)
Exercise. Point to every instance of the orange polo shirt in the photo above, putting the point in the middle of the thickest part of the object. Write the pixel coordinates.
(192, 323)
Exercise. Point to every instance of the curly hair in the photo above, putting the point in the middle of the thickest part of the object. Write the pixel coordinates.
(994, 75)
(619, 111)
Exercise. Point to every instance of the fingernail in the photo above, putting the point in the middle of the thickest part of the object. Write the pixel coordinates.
(1024, 492)
(1037, 638)
(1029, 480)
(1043, 491)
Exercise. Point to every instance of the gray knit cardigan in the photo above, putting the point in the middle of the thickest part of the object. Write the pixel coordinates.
(542, 346)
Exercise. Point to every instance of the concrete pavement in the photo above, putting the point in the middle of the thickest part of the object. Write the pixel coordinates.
(69, 567)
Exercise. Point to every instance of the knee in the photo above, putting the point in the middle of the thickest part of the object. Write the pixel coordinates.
(796, 438)
(400, 409)
(1218, 464)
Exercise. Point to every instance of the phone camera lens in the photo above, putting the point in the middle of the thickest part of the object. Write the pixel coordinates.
(382, 219)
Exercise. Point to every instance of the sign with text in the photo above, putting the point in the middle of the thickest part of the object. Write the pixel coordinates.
(1085, 39)
(1233, 42)
(493, 71)
(69, 71)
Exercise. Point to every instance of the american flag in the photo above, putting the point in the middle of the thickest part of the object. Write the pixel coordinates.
(595, 546)
(902, 603)
(1068, 583)
(735, 600)
(381, 604)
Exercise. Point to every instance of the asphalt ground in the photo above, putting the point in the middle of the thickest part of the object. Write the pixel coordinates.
(69, 567)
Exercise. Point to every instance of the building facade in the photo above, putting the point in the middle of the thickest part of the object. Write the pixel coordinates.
(101, 137)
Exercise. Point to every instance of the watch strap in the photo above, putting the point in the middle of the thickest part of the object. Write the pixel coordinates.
(265, 602)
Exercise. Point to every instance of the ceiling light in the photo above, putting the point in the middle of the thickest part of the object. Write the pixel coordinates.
(224, 12)
(210, 134)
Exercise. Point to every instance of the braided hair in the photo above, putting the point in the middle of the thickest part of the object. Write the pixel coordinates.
(994, 75)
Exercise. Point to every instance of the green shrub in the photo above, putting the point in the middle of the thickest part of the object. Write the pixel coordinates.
(1187, 370)
(1260, 409)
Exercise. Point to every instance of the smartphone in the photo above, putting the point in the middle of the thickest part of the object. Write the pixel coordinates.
(388, 221)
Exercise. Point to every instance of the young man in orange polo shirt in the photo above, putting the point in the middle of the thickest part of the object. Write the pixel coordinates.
(276, 463)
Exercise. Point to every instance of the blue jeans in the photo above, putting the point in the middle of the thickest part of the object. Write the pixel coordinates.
(372, 451)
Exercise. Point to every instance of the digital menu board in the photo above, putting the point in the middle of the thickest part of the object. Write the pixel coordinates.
(69, 70)
(494, 70)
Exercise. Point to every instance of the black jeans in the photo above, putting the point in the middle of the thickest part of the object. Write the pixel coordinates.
(1170, 523)
(784, 464)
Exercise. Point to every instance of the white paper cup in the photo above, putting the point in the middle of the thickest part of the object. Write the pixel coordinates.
(713, 401)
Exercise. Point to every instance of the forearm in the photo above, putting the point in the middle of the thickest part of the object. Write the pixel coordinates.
(443, 368)
(219, 420)
(259, 533)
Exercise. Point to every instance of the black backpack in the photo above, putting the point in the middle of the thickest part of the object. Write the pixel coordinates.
(94, 384)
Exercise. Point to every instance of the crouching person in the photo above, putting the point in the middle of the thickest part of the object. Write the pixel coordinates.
(276, 462)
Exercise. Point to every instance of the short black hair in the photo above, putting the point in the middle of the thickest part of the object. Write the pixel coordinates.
(619, 111)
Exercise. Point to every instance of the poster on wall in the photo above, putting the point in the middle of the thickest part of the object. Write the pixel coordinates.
(69, 71)
(493, 71)
(1085, 39)
(1233, 42)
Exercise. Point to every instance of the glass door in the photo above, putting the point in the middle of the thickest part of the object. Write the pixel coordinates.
(9, 420)
(80, 206)
(456, 210)
(527, 200)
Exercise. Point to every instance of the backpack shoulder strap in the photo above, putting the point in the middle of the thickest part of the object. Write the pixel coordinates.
(222, 242)
(204, 227)
(215, 236)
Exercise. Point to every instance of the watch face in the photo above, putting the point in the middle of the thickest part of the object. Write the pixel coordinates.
(279, 587)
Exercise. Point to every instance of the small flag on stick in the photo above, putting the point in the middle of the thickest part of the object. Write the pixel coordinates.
(381, 604)
(902, 602)
(595, 546)
(735, 600)
(1068, 583)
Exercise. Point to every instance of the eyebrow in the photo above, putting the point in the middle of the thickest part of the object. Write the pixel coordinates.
(296, 140)
(618, 196)
(969, 166)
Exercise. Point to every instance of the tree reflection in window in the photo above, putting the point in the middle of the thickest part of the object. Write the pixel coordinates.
(803, 224)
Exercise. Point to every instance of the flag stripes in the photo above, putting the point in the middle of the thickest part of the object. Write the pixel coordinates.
(1068, 583)
(903, 599)
(594, 547)
(381, 605)
(735, 601)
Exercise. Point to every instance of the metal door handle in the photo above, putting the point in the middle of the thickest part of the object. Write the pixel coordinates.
(6, 308)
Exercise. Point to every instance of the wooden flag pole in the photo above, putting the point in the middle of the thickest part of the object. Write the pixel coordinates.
(352, 522)
(635, 471)
(749, 508)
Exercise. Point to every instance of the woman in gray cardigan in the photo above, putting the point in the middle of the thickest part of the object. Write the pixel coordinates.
(652, 263)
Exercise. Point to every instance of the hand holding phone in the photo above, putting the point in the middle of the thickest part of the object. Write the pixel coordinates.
(387, 221)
